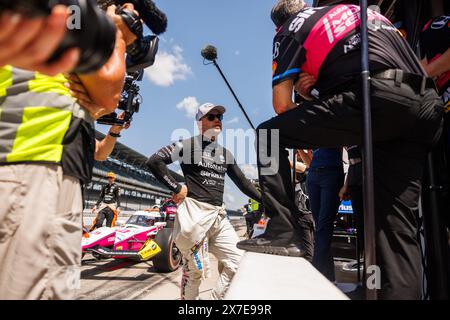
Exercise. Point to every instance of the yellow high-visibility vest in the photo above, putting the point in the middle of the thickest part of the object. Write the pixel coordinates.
(36, 113)
(254, 205)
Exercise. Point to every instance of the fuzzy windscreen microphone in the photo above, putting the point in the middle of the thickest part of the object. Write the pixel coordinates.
(154, 18)
(209, 53)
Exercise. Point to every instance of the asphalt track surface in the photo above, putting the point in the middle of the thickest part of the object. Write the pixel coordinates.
(111, 279)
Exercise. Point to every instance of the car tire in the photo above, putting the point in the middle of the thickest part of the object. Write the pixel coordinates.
(169, 259)
(169, 224)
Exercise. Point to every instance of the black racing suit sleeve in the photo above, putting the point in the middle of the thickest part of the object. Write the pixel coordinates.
(288, 56)
(239, 179)
(158, 162)
(102, 195)
(117, 196)
(423, 41)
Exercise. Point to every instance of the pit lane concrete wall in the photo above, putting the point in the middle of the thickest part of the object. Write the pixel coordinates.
(271, 277)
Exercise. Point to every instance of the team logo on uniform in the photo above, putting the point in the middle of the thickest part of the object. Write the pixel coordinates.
(302, 16)
(276, 50)
(440, 23)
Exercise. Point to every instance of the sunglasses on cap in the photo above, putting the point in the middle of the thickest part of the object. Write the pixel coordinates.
(212, 117)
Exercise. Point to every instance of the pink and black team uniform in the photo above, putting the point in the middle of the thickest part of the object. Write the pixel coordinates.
(325, 42)
(407, 120)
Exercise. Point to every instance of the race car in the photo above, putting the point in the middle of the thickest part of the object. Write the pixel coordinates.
(144, 237)
(169, 209)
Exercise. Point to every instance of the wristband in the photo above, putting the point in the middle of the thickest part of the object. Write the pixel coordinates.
(115, 135)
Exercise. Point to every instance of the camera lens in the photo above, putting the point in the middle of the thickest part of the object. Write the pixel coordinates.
(88, 28)
(95, 35)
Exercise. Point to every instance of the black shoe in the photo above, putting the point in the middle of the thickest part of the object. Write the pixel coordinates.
(281, 247)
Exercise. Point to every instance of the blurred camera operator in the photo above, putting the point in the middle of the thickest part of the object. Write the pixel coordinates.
(317, 52)
(47, 147)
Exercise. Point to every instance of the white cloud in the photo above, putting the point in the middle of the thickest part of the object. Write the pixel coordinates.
(189, 105)
(250, 171)
(237, 52)
(234, 120)
(233, 197)
(168, 67)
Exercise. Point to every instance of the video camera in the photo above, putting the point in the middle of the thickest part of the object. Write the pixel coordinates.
(140, 55)
(96, 39)
(130, 101)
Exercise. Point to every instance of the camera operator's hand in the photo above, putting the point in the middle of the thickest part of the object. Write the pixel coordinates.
(116, 129)
(105, 147)
(304, 84)
(79, 92)
(128, 36)
(180, 196)
(28, 43)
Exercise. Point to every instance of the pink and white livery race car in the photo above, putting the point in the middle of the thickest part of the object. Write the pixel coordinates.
(143, 237)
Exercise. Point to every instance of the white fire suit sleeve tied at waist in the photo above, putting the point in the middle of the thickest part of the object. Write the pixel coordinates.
(192, 222)
(201, 228)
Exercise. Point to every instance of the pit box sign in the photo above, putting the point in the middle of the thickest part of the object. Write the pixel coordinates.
(346, 207)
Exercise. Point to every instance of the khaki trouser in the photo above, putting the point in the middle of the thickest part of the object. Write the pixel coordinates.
(40, 232)
(220, 240)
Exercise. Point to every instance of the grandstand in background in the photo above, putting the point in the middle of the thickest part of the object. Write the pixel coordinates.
(139, 188)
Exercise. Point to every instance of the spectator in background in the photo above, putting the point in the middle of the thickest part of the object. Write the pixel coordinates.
(303, 161)
(253, 215)
(435, 45)
(324, 180)
(108, 204)
(352, 190)
(302, 164)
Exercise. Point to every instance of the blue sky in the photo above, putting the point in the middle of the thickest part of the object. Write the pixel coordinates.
(243, 32)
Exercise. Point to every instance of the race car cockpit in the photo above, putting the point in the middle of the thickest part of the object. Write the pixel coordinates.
(145, 219)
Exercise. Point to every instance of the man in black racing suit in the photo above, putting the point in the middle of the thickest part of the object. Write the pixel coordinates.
(108, 204)
(317, 52)
(204, 163)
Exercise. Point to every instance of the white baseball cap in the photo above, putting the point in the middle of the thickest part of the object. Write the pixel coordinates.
(206, 108)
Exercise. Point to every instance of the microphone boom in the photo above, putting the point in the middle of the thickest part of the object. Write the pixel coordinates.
(209, 53)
